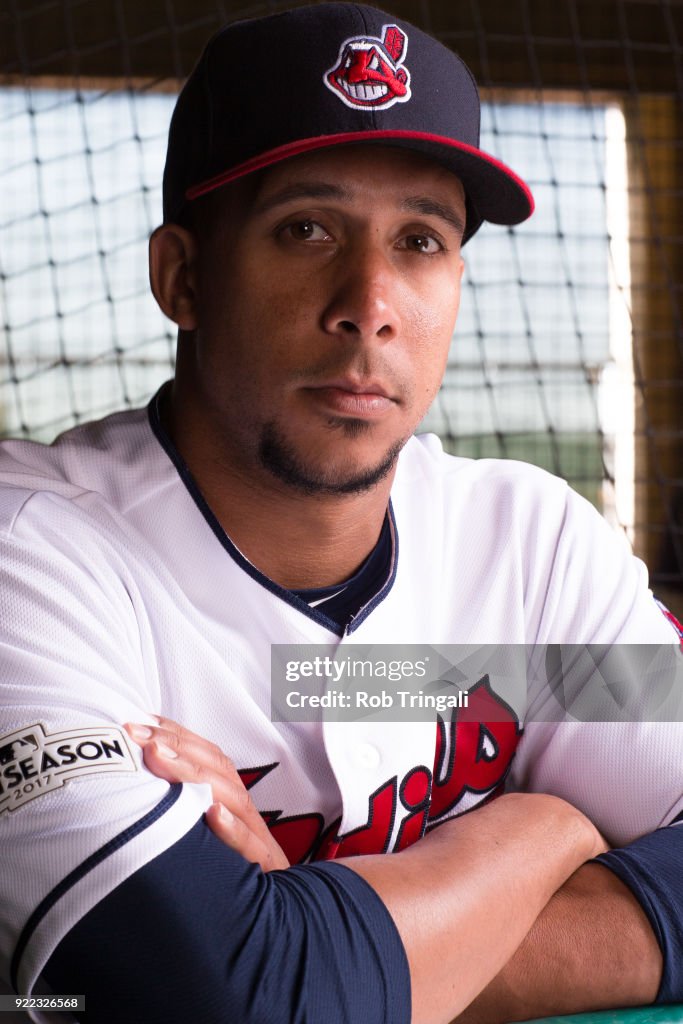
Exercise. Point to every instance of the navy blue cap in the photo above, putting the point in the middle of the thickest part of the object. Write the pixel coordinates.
(325, 75)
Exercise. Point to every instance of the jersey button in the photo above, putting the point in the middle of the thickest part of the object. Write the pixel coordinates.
(367, 756)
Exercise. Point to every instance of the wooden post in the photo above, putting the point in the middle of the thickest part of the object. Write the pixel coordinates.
(654, 131)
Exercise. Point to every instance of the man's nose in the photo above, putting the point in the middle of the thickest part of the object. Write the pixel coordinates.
(365, 296)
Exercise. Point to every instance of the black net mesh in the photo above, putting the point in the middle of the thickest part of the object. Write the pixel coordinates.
(569, 345)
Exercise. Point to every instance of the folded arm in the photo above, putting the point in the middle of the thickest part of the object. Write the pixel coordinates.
(591, 948)
(199, 929)
(200, 923)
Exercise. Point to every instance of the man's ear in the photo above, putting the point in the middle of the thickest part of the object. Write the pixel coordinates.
(173, 274)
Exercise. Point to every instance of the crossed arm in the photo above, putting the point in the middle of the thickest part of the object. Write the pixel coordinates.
(513, 924)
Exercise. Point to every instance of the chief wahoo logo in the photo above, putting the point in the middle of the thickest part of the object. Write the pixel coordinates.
(369, 72)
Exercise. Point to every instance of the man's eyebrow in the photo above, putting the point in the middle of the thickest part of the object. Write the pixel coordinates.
(423, 205)
(301, 190)
(433, 208)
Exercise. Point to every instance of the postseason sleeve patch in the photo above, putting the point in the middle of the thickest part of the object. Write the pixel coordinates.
(33, 762)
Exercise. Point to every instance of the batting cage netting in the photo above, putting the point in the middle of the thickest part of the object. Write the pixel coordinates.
(569, 345)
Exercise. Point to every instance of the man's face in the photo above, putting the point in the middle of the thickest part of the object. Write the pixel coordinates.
(326, 305)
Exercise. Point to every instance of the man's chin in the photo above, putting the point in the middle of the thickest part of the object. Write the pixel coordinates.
(313, 474)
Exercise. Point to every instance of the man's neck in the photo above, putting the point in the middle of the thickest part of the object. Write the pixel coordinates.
(300, 544)
(298, 540)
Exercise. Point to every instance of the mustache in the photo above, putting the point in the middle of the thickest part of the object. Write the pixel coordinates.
(358, 367)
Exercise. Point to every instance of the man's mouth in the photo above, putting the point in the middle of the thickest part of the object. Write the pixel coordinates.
(353, 397)
(356, 386)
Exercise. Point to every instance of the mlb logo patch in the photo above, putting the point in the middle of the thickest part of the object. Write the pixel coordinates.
(370, 72)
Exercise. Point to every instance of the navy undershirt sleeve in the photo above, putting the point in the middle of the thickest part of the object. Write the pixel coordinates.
(200, 935)
(652, 867)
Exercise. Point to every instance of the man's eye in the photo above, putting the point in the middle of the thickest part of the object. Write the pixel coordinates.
(423, 243)
(307, 231)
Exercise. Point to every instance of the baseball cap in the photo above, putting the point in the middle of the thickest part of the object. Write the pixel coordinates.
(331, 74)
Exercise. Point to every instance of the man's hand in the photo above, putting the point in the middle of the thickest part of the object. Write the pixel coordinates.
(178, 755)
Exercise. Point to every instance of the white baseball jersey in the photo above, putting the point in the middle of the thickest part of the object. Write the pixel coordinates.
(121, 598)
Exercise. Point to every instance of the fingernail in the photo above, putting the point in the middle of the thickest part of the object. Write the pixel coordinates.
(164, 751)
(224, 814)
(139, 732)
